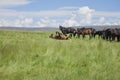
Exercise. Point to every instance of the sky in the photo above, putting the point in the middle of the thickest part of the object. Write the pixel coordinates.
(52, 13)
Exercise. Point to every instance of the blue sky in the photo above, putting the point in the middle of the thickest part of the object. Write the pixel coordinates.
(104, 5)
(101, 5)
(52, 13)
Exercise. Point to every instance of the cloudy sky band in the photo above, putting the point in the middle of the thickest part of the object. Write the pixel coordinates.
(11, 15)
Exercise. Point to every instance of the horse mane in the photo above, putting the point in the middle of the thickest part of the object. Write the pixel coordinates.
(61, 27)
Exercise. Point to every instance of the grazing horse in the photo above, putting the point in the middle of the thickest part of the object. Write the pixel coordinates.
(99, 33)
(68, 30)
(106, 34)
(114, 33)
(85, 31)
(59, 36)
(110, 34)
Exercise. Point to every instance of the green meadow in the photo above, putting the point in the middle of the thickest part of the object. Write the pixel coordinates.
(30, 55)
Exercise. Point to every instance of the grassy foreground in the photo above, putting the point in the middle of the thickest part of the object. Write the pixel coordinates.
(28, 55)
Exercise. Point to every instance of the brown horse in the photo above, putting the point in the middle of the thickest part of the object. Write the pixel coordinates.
(59, 36)
(85, 31)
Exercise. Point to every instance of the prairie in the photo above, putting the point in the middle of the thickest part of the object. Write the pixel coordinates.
(30, 55)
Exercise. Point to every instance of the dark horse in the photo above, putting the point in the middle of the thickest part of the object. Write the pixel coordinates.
(110, 34)
(68, 30)
(85, 31)
(99, 33)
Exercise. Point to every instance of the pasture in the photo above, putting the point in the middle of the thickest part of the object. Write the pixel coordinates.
(29, 55)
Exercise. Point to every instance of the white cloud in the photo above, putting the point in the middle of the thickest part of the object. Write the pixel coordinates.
(66, 16)
(49, 13)
(85, 10)
(82, 16)
(107, 14)
(8, 3)
(17, 23)
(102, 20)
(69, 8)
(46, 22)
(107, 23)
(70, 23)
(26, 22)
(87, 13)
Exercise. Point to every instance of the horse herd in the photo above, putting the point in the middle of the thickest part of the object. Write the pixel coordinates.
(110, 34)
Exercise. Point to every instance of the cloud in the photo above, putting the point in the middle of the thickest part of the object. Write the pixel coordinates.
(87, 13)
(25, 22)
(70, 23)
(46, 22)
(102, 19)
(68, 8)
(29, 22)
(48, 13)
(81, 16)
(9, 3)
(107, 14)
(66, 16)
(85, 10)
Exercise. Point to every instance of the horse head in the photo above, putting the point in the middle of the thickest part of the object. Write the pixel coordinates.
(60, 27)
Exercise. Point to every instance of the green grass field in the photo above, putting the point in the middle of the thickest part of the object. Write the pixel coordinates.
(29, 55)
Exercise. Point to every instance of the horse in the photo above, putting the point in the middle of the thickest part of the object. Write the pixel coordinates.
(99, 33)
(110, 34)
(114, 33)
(59, 36)
(85, 31)
(106, 34)
(68, 30)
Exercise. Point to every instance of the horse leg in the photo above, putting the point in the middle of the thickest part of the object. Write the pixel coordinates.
(83, 36)
(118, 38)
(74, 34)
(93, 35)
(65, 34)
(99, 36)
(110, 38)
(90, 36)
(70, 35)
(78, 35)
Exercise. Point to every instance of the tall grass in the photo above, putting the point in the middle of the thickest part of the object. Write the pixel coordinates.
(26, 55)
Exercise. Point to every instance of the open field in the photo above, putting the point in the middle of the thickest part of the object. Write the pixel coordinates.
(27, 55)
